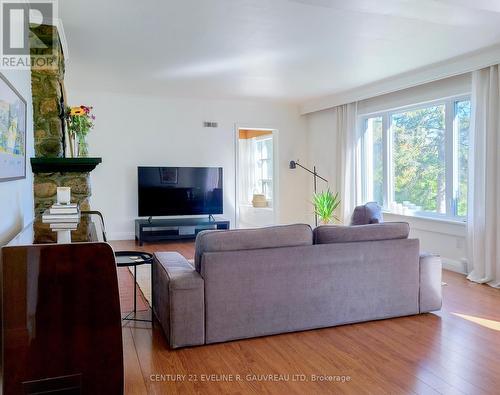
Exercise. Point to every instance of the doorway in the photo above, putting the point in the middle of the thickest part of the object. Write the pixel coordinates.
(256, 177)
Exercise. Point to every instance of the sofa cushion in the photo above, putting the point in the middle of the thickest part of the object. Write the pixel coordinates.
(370, 213)
(178, 299)
(328, 234)
(179, 270)
(251, 239)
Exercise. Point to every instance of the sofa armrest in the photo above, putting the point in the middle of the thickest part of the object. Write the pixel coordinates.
(430, 294)
(178, 299)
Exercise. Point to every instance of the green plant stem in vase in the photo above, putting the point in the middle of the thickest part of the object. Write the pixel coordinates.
(73, 148)
(325, 203)
(83, 148)
(79, 122)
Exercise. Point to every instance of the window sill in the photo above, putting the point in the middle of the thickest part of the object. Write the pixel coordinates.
(250, 206)
(430, 219)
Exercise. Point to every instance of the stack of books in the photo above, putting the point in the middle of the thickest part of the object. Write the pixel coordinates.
(62, 216)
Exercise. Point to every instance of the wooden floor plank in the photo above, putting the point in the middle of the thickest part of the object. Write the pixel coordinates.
(438, 353)
(134, 379)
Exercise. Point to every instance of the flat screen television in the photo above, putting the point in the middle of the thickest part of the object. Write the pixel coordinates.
(165, 191)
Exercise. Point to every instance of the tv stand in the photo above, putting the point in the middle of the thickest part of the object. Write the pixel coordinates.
(147, 230)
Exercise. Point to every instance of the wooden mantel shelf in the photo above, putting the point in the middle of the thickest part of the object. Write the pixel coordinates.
(64, 165)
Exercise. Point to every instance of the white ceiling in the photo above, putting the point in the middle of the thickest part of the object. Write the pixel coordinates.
(290, 50)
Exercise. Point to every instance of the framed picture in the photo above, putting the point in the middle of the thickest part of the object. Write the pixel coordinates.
(168, 175)
(12, 132)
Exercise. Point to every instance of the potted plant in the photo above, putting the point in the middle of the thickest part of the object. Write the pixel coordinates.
(79, 121)
(325, 203)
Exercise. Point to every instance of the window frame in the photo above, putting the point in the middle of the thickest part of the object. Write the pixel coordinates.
(268, 181)
(451, 151)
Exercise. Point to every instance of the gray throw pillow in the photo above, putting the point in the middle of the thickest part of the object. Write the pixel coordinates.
(370, 213)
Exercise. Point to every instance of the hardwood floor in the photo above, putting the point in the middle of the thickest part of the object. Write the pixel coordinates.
(454, 351)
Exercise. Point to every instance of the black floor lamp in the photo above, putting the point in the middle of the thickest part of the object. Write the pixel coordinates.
(294, 164)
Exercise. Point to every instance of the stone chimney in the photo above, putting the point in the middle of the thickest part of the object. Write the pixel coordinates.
(48, 108)
(47, 90)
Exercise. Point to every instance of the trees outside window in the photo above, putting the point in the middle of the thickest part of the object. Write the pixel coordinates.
(415, 159)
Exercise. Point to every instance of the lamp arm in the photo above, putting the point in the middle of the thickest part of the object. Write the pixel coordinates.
(313, 173)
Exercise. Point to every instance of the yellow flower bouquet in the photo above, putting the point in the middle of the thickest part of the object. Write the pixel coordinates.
(79, 122)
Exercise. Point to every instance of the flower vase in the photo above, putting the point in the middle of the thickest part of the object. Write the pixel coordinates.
(83, 148)
(79, 121)
(71, 145)
(78, 147)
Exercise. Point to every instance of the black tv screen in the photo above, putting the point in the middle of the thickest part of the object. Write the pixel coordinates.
(167, 191)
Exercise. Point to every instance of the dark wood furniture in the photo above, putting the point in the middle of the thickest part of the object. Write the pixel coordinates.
(60, 315)
(174, 229)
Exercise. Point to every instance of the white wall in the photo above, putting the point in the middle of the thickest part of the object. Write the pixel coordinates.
(447, 239)
(444, 238)
(16, 197)
(135, 130)
(322, 141)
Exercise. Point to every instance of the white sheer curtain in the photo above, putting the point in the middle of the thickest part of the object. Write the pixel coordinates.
(246, 159)
(348, 160)
(484, 179)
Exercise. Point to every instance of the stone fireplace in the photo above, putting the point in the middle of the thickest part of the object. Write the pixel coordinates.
(50, 167)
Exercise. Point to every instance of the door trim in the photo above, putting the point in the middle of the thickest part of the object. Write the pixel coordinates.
(275, 133)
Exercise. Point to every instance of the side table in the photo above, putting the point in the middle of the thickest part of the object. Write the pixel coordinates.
(135, 258)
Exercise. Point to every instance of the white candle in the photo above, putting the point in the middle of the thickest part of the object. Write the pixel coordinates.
(63, 195)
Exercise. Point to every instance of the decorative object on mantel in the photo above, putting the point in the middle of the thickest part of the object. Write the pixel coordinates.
(259, 200)
(79, 121)
(63, 195)
(325, 204)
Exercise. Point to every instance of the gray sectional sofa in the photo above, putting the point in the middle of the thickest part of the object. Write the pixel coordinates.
(256, 282)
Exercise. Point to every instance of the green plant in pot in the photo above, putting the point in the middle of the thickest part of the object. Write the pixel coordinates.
(325, 203)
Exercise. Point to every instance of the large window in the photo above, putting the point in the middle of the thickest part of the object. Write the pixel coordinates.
(415, 159)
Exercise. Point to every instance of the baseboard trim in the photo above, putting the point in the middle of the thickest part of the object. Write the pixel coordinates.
(121, 236)
(454, 266)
